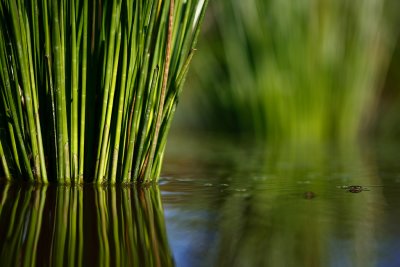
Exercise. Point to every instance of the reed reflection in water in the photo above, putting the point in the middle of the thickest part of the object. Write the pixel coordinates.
(246, 204)
(82, 226)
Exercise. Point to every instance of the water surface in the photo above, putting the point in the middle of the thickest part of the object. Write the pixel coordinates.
(219, 202)
(82, 226)
(230, 203)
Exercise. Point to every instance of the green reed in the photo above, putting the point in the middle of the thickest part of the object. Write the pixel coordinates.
(88, 90)
(279, 69)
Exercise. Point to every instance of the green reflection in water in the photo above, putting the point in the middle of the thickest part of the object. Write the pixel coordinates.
(82, 226)
(259, 210)
(306, 219)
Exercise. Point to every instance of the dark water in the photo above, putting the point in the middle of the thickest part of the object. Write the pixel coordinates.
(82, 226)
(219, 203)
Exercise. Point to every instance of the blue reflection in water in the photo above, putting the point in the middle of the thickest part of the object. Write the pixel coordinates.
(284, 207)
(390, 254)
(191, 238)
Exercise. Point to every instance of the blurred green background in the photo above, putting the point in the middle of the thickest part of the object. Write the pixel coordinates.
(300, 71)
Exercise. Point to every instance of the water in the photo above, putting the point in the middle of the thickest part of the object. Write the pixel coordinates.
(82, 226)
(241, 204)
(219, 203)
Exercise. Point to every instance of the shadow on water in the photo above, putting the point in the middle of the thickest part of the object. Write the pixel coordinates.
(280, 205)
(82, 226)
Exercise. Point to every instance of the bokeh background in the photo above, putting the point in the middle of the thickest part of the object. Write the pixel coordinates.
(300, 71)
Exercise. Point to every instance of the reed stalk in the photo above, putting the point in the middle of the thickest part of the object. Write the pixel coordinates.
(89, 87)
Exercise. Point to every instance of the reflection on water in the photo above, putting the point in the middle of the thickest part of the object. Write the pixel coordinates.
(82, 226)
(223, 204)
(248, 205)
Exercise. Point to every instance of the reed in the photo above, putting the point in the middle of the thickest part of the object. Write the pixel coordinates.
(308, 70)
(88, 90)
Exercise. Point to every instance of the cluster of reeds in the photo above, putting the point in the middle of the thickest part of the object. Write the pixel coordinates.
(294, 70)
(56, 226)
(88, 89)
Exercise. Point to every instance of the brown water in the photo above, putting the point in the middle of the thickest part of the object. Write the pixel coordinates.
(218, 203)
